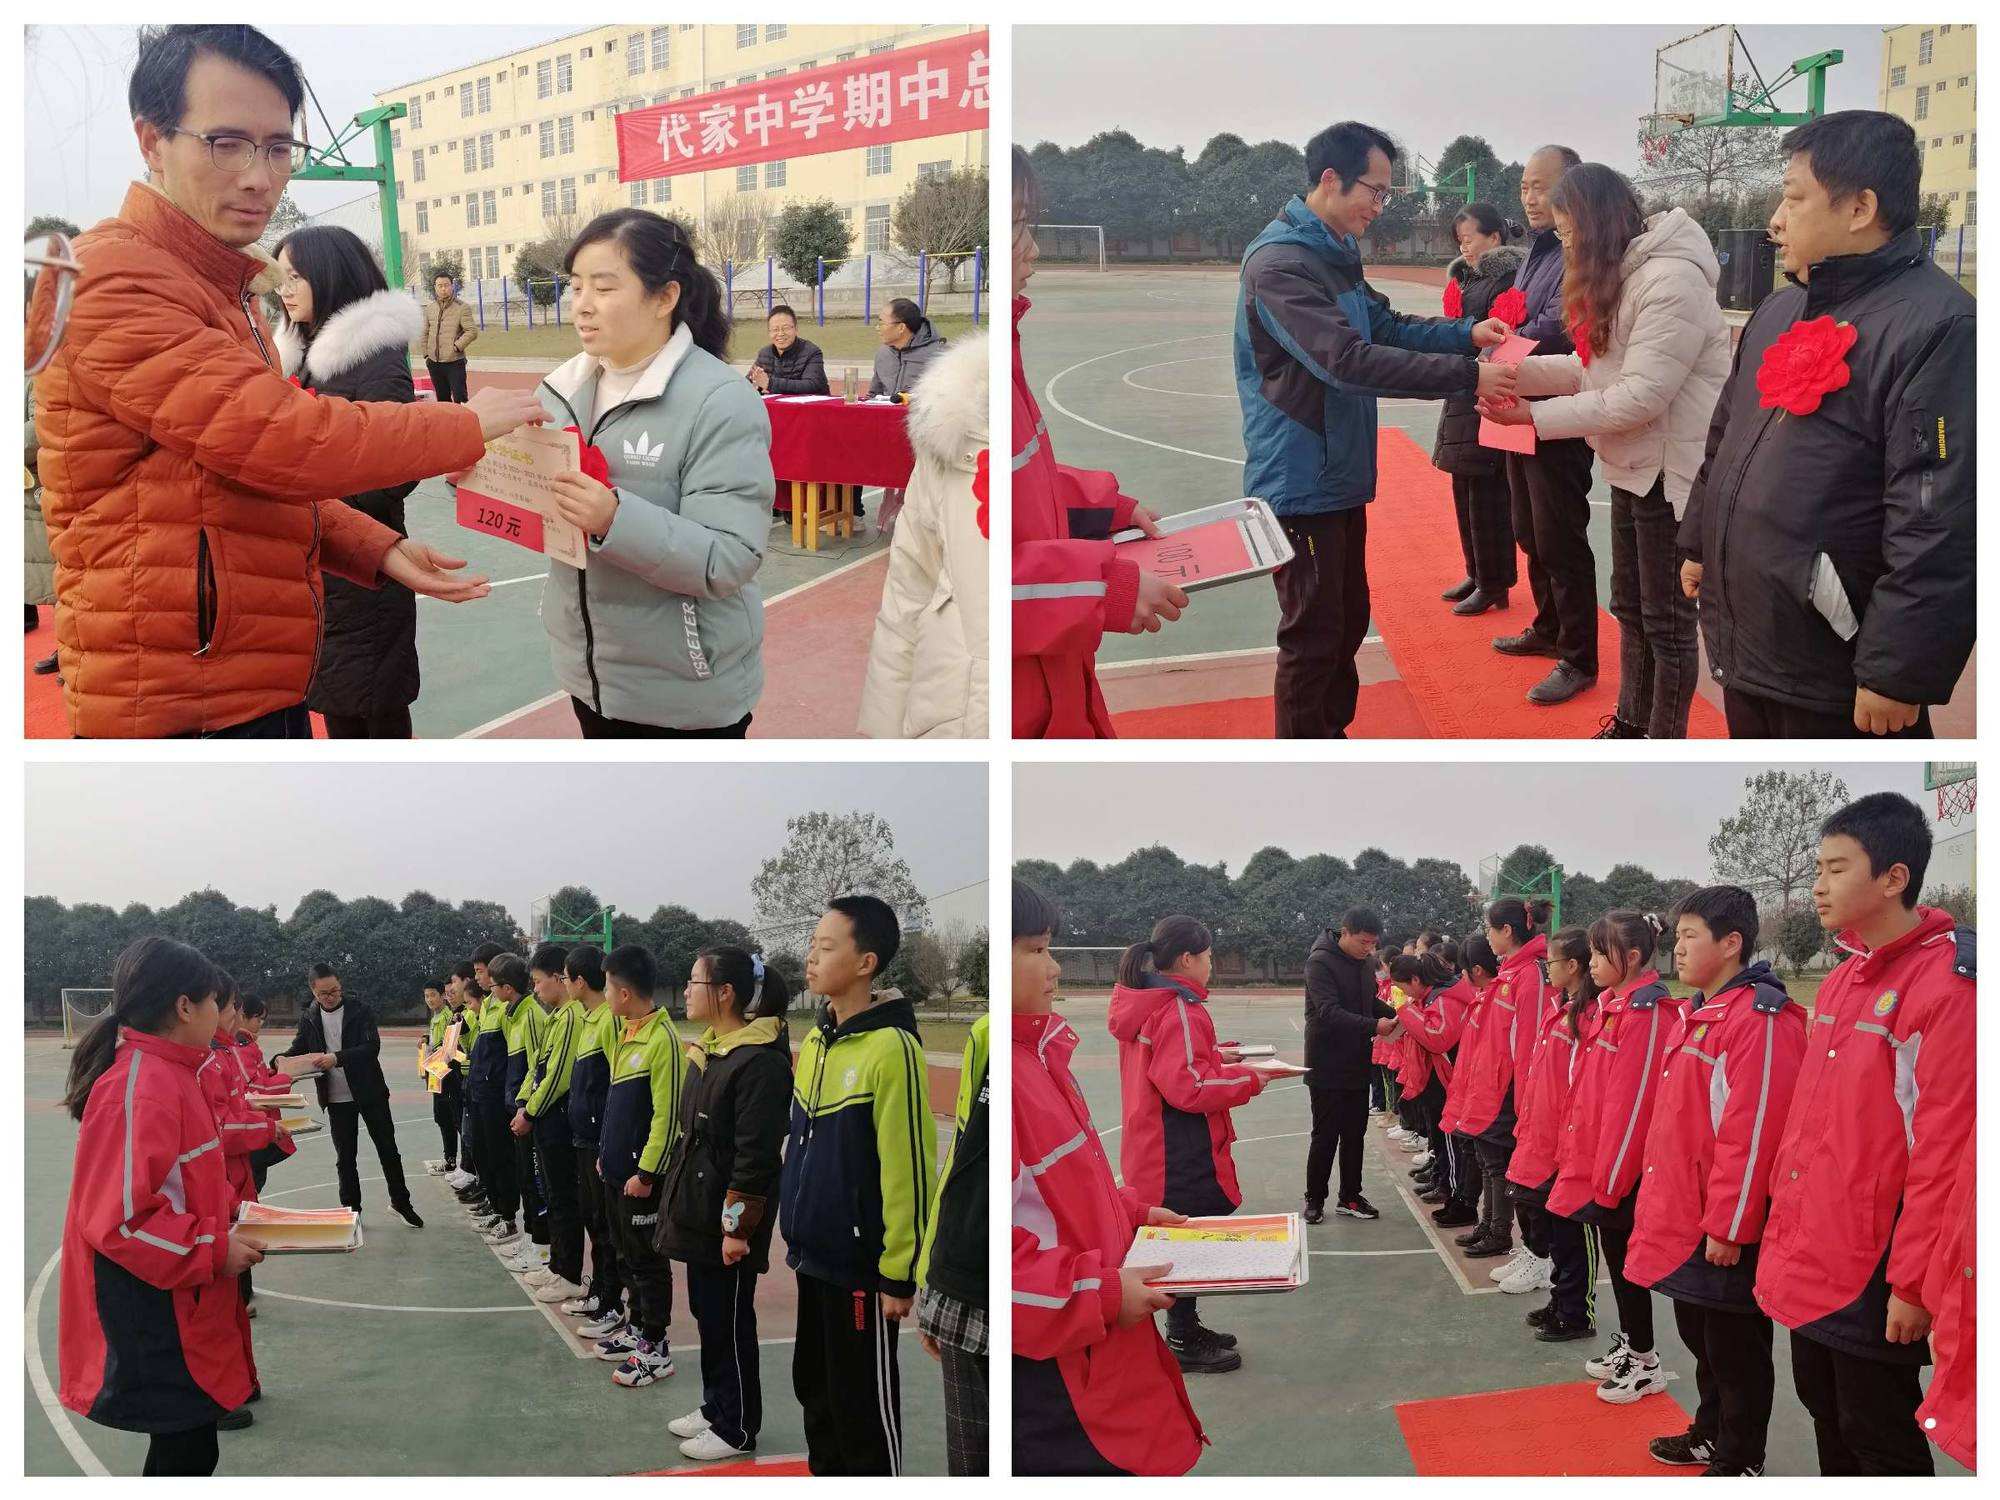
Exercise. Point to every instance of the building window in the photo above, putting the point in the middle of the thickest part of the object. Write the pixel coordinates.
(926, 169)
(843, 57)
(746, 36)
(493, 260)
(416, 166)
(774, 174)
(1898, 77)
(1972, 151)
(548, 200)
(589, 115)
(395, 139)
(878, 48)
(399, 192)
(471, 154)
(663, 190)
(586, 53)
(1965, 80)
(507, 191)
(746, 179)
(777, 33)
(635, 53)
(880, 161)
(639, 193)
(472, 210)
(490, 206)
(1971, 209)
(1924, 99)
(660, 50)
(485, 95)
(465, 101)
(547, 136)
(564, 81)
(569, 195)
(875, 233)
(566, 134)
(544, 79)
(416, 114)
(1924, 48)
(486, 152)
(423, 218)
(1959, 139)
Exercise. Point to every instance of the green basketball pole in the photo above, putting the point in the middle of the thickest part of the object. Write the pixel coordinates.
(330, 164)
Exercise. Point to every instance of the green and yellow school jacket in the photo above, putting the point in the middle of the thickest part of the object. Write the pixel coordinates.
(486, 1077)
(954, 1256)
(856, 1192)
(642, 1108)
(590, 1073)
(440, 1022)
(548, 1091)
(523, 1022)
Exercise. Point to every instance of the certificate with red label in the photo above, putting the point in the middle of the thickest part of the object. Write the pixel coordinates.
(1199, 549)
(1508, 437)
(508, 493)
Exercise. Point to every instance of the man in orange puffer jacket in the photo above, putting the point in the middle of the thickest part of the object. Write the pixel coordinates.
(191, 492)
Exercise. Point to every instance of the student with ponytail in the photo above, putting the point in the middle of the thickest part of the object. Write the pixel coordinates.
(1600, 1155)
(1463, 1203)
(153, 1336)
(1429, 1027)
(719, 1202)
(662, 635)
(1567, 1265)
(1177, 1093)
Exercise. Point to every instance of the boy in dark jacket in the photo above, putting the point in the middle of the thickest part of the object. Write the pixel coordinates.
(1831, 541)
(1343, 1018)
(603, 1304)
(951, 1273)
(856, 1192)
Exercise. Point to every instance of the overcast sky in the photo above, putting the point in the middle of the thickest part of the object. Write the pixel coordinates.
(1590, 817)
(81, 153)
(640, 836)
(1585, 86)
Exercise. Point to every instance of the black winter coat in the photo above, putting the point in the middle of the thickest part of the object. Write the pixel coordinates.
(368, 643)
(734, 1116)
(1341, 1011)
(360, 1054)
(799, 371)
(1879, 480)
(1457, 449)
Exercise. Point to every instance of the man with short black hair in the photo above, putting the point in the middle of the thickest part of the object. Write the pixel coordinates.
(448, 327)
(1315, 345)
(340, 1038)
(789, 365)
(1831, 542)
(1344, 1015)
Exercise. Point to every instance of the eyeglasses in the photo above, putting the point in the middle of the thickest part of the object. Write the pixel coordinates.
(52, 269)
(1382, 194)
(235, 153)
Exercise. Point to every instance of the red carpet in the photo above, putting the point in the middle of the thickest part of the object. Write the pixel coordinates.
(1464, 688)
(1386, 712)
(1545, 1429)
(765, 1467)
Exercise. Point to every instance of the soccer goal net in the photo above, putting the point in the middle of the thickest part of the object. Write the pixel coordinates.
(1071, 245)
(82, 1009)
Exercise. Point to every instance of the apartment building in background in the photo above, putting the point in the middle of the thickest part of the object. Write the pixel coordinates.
(492, 152)
(1930, 78)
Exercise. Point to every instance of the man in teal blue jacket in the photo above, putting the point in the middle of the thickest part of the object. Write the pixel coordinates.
(1315, 347)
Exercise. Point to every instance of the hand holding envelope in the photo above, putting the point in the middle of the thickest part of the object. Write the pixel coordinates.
(1504, 420)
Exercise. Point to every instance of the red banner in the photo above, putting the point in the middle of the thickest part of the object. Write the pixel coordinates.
(939, 88)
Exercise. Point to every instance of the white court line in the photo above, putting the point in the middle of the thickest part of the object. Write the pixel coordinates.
(1424, 1223)
(1049, 395)
(1418, 1251)
(38, 1376)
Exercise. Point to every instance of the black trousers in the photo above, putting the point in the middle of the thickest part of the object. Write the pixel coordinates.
(1551, 498)
(1496, 1207)
(648, 1273)
(594, 1207)
(499, 1174)
(555, 1167)
(1339, 1125)
(1486, 528)
(534, 1207)
(1322, 621)
(1573, 1256)
(1864, 1411)
(1378, 1090)
(448, 379)
(344, 1122)
(1657, 658)
(1732, 1376)
(965, 1426)
(1466, 1178)
(390, 724)
(468, 1132)
(724, 1302)
(192, 1452)
(596, 727)
(446, 1107)
(1753, 718)
(261, 1161)
(1635, 1303)
(845, 1376)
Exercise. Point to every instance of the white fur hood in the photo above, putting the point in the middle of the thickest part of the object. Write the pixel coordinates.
(379, 321)
(948, 409)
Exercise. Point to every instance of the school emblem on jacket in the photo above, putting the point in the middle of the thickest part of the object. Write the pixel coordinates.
(637, 451)
(1610, 1025)
(1887, 1003)
(848, 1080)
(1699, 1032)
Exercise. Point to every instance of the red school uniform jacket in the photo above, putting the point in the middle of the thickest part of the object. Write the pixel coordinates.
(1951, 1293)
(1431, 1028)
(1603, 1142)
(1090, 1397)
(1724, 1093)
(152, 1338)
(1870, 1151)
(1544, 1099)
(258, 1074)
(242, 1128)
(1069, 588)
(1468, 1028)
(1177, 1095)
(1499, 1038)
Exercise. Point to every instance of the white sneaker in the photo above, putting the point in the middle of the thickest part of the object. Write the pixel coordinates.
(1535, 1275)
(538, 1276)
(707, 1446)
(603, 1326)
(1635, 1377)
(1397, 1133)
(557, 1289)
(521, 1265)
(1421, 1162)
(645, 1364)
(691, 1425)
(580, 1307)
(1510, 1265)
(618, 1343)
(249, 1307)
(1603, 1364)
(460, 1179)
(502, 1233)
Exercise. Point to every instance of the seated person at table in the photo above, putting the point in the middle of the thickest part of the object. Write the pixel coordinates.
(909, 344)
(789, 365)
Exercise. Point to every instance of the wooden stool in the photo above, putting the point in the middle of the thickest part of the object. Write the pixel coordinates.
(821, 507)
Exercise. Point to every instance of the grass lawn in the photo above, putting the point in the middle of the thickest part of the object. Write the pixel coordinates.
(845, 338)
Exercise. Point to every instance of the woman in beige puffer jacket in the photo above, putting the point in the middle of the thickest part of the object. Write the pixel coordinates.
(1642, 389)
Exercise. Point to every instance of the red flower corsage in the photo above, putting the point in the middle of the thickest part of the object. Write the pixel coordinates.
(1454, 300)
(1510, 307)
(591, 459)
(301, 385)
(981, 488)
(1579, 335)
(1804, 363)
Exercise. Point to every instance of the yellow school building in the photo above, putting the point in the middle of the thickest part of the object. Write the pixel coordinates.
(1930, 78)
(493, 152)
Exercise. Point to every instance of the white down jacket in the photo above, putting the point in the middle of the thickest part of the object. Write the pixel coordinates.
(927, 662)
(1645, 402)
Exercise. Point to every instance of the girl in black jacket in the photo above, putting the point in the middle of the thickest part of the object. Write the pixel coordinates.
(346, 334)
(720, 1200)
(1484, 269)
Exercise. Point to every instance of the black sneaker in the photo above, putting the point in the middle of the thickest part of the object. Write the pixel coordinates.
(1458, 591)
(1471, 1236)
(236, 1421)
(1563, 683)
(1313, 1213)
(1720, 1471)
(1527, 643)
(1686, 1449)
(46, 667)
(1357, 1207)
(1557, 1330)
(1198, 1356)
(1219, 1339)
(1438, 1197)
(1488, 1246)
(1611, 727)
(1541, 1315)
(409, 1212)
(1454, 1214)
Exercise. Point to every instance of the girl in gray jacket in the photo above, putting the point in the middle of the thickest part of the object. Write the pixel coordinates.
(661, 633)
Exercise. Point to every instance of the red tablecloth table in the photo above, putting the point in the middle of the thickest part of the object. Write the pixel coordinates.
(830, 445)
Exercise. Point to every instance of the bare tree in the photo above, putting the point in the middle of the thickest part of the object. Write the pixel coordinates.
(1770, 845)
(734, 229)
(944, 216)
(1716, 161)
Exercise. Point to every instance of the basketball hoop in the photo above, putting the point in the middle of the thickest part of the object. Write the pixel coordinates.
(1955, 800)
